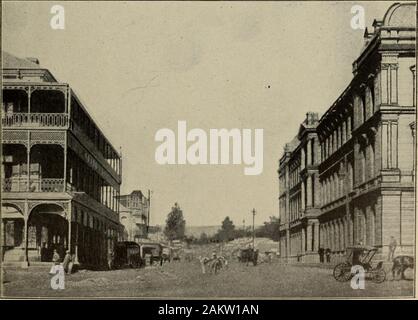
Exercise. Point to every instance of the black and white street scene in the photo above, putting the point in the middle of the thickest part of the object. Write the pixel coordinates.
(208, 149)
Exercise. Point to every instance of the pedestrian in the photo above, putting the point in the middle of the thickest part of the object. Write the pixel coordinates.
(328, 255)
(321, 255)
(203, 261)
(68, 262)
(110, 257)
(44, 252)
(392, 247)
(56, 257)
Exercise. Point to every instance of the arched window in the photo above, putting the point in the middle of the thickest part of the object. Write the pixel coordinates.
(363, 164)
(369, 102)
(363, 107)
(371, 159)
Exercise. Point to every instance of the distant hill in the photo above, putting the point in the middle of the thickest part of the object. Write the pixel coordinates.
(196, 231)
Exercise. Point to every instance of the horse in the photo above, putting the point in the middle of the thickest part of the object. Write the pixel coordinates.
(224, 262)
(215, 264)
(400, 264)
(188, 255)
(203, 262)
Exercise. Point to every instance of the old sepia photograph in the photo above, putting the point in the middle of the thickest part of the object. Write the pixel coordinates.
(208, 150)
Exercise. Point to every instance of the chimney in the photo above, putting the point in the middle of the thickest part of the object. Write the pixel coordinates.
(311, 117)
(34, 60)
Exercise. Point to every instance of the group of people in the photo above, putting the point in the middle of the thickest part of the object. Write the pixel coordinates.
(67, 262)
(215, 263)
(324, 255)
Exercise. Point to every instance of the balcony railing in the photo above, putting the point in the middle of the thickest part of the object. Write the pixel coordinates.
(39, 185)
(57, 120)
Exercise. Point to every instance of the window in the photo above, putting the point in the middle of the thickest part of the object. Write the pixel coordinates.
(363, 107)
(363, 164)
(312, 151)
(371, 160)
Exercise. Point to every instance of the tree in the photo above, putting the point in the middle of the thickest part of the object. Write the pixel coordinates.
(270, 229)
(227, 231)
(175, 224)
(203, 238)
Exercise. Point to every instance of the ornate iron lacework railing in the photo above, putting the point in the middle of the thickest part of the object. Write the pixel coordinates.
(59, 120)
(37, 185)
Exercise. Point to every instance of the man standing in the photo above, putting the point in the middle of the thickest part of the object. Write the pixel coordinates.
(321, 255)
(328, 255)
(392, 247)
(68, 262)
(110, 258)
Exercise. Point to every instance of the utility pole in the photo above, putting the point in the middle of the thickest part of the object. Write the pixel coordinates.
(149, 209)
(243, 224)
(253, 228)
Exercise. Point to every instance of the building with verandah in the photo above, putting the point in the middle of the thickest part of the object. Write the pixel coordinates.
(60, 174)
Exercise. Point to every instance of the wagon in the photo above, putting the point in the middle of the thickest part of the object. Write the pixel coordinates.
(248, 255)
(127, 254)
(151, 252)
(176, 254)
(360, 256)
(166, 254)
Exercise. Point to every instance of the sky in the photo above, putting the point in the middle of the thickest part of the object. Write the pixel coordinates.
(142, 66)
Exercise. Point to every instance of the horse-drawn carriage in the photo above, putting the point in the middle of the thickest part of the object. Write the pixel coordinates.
(360, 256)
(248, 255)
(152, 252)
(127, 254)
(176, 253)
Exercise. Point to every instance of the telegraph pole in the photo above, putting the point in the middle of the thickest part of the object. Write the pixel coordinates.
(253, 228)
(149, 209)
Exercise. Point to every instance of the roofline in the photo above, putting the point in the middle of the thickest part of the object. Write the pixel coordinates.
(33, 70)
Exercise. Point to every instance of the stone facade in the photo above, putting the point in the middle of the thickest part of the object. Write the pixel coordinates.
(348, 178)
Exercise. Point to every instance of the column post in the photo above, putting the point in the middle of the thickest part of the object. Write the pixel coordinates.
(303, 241)
(309, 191)
(414, 161)
(309, 236)
(27, 165)
(288, 243)
(302, 158)
(25, 262)
(65, 162)
(69, 218)
(29, 97)
(302, 196)
(316, 237)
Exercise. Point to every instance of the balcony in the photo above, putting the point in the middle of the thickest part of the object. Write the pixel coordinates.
(20, 184)
(35, 120)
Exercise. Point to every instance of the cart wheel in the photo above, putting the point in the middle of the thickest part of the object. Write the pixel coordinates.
(342, 272)
(379, 276)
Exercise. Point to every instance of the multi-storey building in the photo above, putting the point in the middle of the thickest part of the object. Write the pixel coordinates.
(363, 152)
(134, 215)
(60, 174)
(299, 200)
